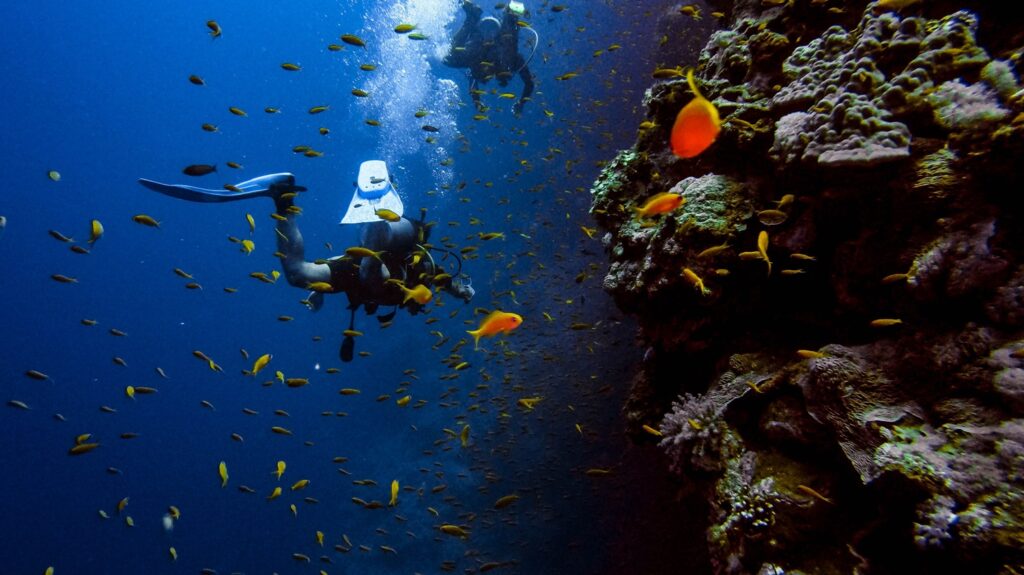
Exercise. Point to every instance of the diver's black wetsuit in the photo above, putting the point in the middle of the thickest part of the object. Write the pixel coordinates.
(364, 280)
(404, 253)
(498, 58)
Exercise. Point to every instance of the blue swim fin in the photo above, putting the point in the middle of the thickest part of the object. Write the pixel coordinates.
(270, 185)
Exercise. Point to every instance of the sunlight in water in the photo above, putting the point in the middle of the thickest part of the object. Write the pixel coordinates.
(405, 83)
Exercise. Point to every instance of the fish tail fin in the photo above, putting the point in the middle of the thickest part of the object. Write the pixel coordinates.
(476, 338)
(693, 85)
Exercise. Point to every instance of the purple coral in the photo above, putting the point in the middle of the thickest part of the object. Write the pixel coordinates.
(693, 435)
(966, 107)
(937, 523)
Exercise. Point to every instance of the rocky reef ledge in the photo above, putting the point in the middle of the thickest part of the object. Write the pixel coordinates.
(853, 402)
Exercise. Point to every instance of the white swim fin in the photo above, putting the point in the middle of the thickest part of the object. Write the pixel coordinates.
(374, 191)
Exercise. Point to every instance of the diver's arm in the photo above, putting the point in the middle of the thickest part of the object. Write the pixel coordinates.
(459, 54)
(474, 93)
(524, 73)
(297, 270)
(527, 77)
(469, 26)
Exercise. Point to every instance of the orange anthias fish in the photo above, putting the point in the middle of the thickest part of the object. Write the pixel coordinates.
(496, 322)
(659, 204)
(697, 124)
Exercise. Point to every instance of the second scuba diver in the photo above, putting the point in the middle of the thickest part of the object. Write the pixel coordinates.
(400, 270)
(490, 49)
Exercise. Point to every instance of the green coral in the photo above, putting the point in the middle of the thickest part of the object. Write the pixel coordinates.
(715, 204)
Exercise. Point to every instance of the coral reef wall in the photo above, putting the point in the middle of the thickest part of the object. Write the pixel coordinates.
(849, 397)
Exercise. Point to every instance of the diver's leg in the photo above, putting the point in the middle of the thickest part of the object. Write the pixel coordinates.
(297, 270)
(372, 272)
(459, 55)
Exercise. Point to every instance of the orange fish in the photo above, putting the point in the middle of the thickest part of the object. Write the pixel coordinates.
(496, 322)
(697, 124)
(659, 204)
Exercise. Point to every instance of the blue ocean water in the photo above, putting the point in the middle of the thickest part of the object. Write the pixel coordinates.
(100, 93)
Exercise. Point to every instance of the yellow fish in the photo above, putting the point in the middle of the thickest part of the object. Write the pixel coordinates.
(529, 402)
(300, 484)
(387, 215)
(454, 530)
(464, 436)
(885, 322)
(421, 294)
(505, 501)
(96, 232)
(394, 493)
(280, 469)
(361, 252)
(261, 363)
(353, 40)
(145, 220)
(274, 494)
(252, 223)
(651, 430)
(695, 281)
(762, 248)
(222, 469)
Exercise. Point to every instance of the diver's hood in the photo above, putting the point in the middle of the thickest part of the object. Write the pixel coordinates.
(374, 191)
(489, 27)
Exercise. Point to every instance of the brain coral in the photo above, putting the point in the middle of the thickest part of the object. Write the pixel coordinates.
(852, 92)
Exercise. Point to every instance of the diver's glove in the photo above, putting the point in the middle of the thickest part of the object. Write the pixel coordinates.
(462, 287)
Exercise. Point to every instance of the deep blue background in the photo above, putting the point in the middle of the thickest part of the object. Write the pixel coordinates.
(99, 91)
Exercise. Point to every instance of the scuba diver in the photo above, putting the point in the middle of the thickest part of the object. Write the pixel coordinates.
(393, 266)
(490, 49)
